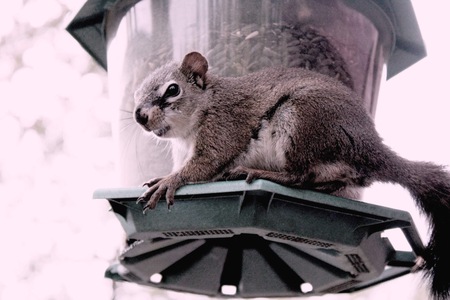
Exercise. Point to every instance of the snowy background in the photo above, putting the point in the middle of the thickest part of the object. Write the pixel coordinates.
(56, 150)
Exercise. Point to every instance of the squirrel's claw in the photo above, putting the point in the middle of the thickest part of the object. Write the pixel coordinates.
(158, 188)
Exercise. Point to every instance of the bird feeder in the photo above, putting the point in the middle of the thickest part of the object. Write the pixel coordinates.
(230, 238)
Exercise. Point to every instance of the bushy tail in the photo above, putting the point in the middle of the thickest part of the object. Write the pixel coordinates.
(429, 184)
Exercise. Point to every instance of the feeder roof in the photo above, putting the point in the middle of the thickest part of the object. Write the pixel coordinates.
(88, 28)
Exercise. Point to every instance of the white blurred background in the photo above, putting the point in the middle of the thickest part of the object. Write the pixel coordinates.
(56, 148)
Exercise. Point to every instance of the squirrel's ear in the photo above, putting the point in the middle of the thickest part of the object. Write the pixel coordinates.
(195, 66)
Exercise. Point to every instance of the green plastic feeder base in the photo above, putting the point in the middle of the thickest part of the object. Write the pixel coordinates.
(230, 239)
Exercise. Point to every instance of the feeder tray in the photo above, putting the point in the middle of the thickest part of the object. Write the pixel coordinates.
(258, 240)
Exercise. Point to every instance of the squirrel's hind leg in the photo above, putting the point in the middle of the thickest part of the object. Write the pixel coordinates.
(337, 187)
(251, 174)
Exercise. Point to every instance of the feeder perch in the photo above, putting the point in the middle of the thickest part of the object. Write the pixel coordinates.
(258, 240)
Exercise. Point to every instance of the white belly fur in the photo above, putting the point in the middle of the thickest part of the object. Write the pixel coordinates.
(266, 152)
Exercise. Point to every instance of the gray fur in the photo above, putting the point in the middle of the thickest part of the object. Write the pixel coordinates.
(292, 126)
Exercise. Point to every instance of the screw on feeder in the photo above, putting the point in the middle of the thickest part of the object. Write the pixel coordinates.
(156, 278)
(228, 290)
(306, 287)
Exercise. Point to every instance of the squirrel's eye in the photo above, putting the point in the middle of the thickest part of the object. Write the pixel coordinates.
(172, 91)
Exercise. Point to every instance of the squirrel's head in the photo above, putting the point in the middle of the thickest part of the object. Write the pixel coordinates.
(168, 98)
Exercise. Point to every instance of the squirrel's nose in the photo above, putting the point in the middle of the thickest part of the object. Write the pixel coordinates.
(140, 117)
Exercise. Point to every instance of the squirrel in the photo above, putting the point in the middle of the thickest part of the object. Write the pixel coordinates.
(292, 126)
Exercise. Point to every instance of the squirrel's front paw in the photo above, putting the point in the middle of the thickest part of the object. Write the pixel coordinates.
(159, 187)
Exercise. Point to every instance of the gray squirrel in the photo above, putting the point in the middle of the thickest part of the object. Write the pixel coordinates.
(292, 126)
